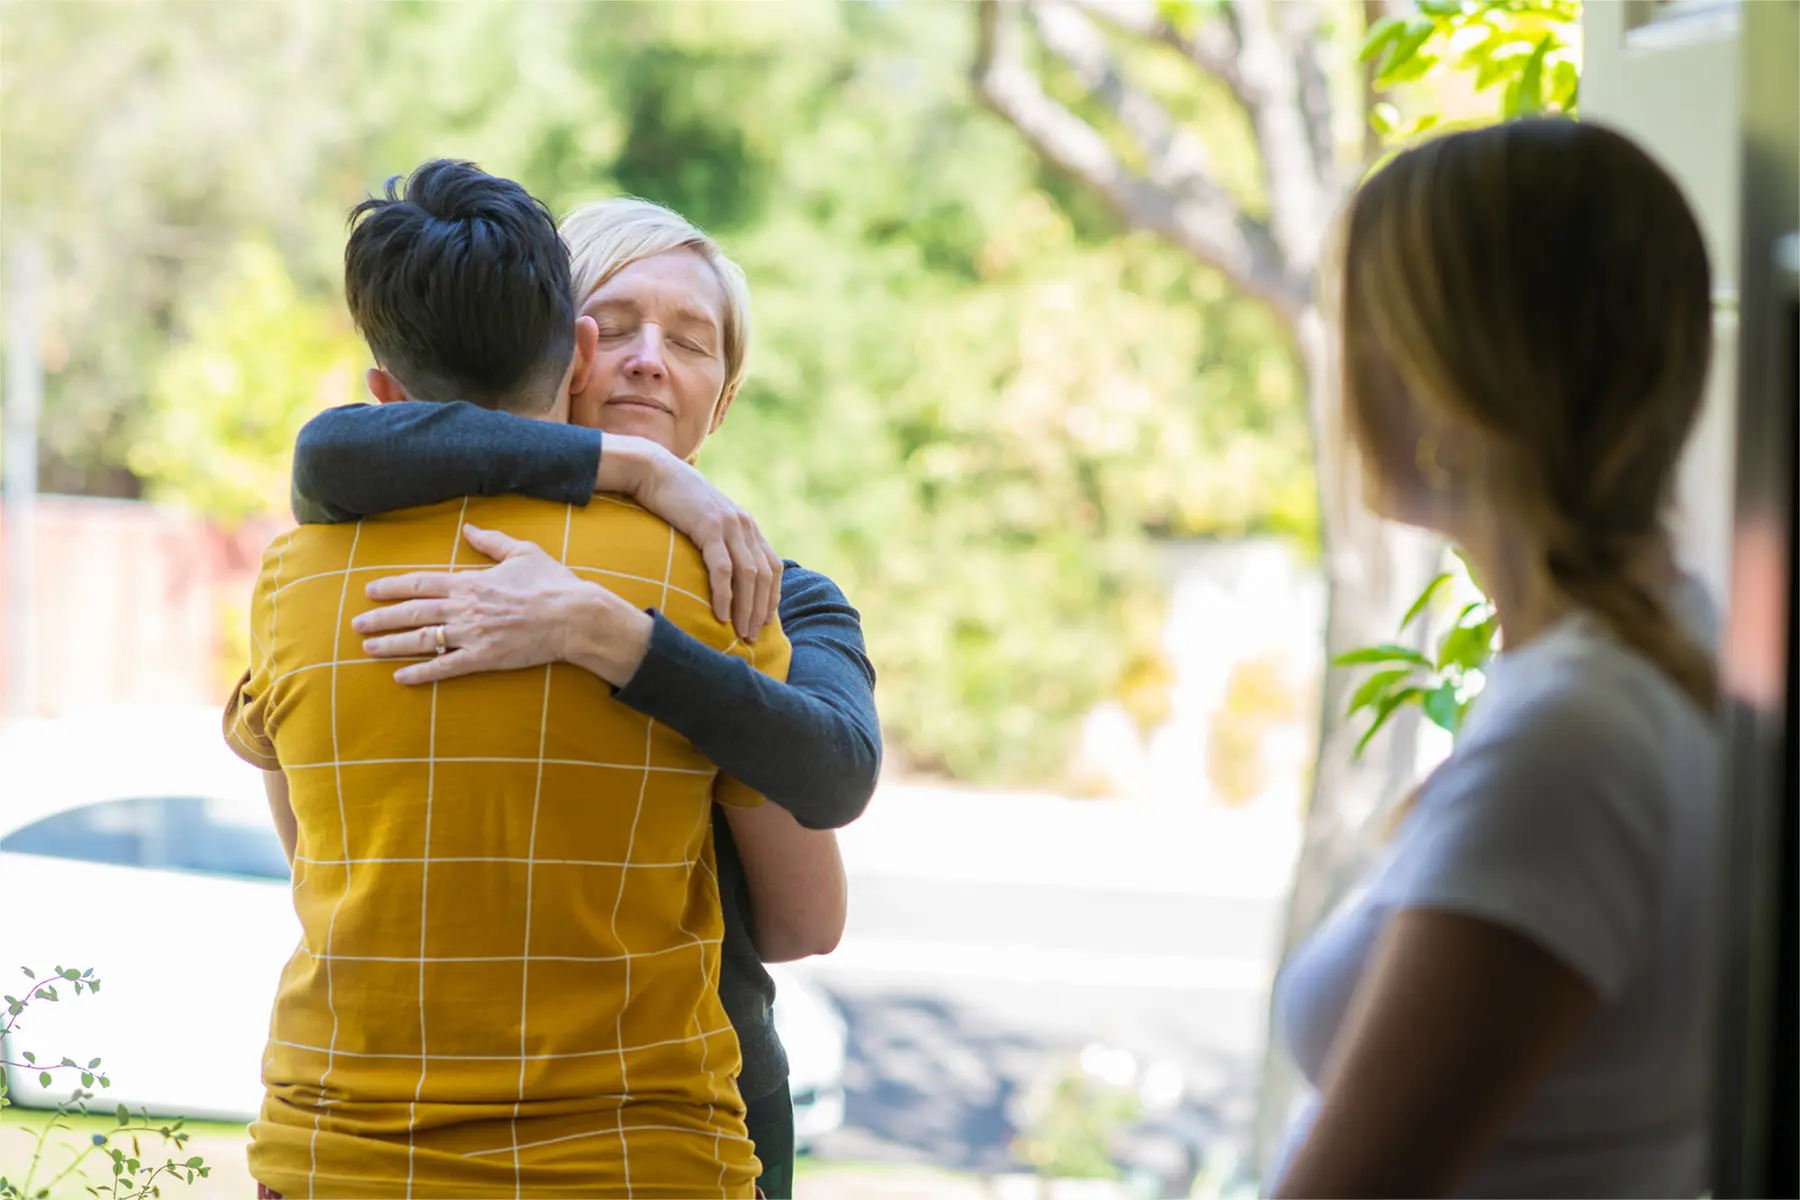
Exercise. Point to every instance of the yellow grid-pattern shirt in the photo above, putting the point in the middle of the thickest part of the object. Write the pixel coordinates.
(507, 983)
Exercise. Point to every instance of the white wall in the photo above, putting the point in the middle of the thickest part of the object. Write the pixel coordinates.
(1673, 86)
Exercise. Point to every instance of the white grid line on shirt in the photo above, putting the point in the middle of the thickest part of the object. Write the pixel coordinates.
(588, 1133)
(412, 1112)
(402, 568)
(446, 858)
(519, 958)
(681, 924)
(480, 758)
(619, 897)
(512, 1058)
(337, 635)
(537, 795)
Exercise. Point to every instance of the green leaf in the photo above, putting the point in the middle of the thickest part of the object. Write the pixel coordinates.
(1441, 707)
(1405, 52)
(87, 1079)
(1419, 606)
(1467, 647)
(29, 974)
(1389, 705)
(93, 985)
(195, 1163)
(1386, 652)
(1530, 96)
(94, 1063)
(30, 1058)
(1565, 83)
(1380, 36)
(44, 1078)
(123, 1113)
(1375, 686)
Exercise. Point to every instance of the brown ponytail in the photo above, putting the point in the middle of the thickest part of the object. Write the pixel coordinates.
(1540, 288)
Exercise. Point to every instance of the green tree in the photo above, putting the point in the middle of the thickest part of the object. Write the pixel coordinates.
(975, 396)
(258, 359)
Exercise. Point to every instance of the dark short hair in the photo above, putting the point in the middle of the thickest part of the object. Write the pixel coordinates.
(460, 284)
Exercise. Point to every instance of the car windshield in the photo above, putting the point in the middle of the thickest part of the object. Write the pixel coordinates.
(172, 833)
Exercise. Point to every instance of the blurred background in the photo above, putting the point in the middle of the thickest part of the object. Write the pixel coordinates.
(1037, 347)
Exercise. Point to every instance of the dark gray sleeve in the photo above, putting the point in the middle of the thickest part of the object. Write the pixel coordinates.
(364, 459)
(812, 744)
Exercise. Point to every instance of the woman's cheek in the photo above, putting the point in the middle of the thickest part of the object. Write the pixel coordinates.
(585, 406)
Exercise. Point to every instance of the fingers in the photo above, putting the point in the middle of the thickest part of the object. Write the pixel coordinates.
(418, 585)
(410, 614)
(497, 545)
(412, 643)
(718, 570)
(440, 668)
(746, 567)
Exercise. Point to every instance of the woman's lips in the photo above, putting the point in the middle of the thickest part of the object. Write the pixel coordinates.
(637, 402)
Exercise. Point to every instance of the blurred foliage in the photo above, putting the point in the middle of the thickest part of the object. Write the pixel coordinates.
(1442, 684)
(1530, 50)
(974, 400)
(258, 359)
(1260, 698)
(1073, 1124)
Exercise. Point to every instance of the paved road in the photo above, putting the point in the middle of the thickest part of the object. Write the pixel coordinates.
(963, 995)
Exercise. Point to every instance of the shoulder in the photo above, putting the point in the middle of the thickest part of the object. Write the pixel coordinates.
(1579, 749)
(804, 589)
(1579, 703)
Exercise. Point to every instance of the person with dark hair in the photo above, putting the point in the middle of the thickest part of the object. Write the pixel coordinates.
(506, 883)
(1518, 999)
(673, 311)
(446, 313)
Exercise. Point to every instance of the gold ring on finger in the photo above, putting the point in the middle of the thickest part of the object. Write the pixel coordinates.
(442, 645)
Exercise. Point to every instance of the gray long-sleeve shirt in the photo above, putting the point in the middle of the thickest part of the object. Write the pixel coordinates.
(811, 745)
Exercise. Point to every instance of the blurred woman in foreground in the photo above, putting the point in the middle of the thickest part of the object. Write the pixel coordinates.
(1516, 1001)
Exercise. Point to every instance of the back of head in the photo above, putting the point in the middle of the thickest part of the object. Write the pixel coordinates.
(1538, 294)
(607, 236)
(460, 284)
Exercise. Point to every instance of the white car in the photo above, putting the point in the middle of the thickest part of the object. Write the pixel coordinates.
(133, 842)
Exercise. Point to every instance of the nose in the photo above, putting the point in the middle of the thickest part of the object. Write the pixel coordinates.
(646, 362)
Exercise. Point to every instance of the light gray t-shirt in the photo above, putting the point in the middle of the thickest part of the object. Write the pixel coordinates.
(1580, 809)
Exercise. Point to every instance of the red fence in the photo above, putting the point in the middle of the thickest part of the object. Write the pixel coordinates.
(132, 604)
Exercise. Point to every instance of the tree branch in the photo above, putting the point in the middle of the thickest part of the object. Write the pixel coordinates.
(1212, 46)
(1305, 43)
(1298, 193)
(1177, 198)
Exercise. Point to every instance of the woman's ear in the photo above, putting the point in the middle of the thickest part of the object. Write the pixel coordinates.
(383, 386)
(587, 345)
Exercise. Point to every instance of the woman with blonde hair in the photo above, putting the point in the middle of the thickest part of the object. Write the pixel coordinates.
(672, 312)
(1516, 1002)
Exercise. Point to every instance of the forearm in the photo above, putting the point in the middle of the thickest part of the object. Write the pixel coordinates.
(363, 459)
(798, 892)
(798, 745)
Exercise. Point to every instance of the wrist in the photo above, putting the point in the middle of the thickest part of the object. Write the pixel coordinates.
(604, 635)
(627, 464)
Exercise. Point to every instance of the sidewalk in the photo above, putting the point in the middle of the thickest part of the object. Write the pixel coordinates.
(949, 834)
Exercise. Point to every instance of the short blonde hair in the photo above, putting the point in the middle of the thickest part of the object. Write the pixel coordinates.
(606, 236)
